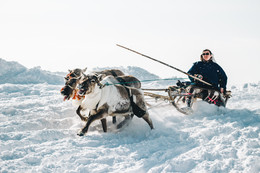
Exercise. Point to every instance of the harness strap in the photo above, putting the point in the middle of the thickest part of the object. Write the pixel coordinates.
(76, 96)
(68, 75)
(136, 109)
(113, 73)
(121, 80)
(70, 86)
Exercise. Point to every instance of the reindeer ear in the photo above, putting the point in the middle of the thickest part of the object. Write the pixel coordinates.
(100, 77)
(85, 69)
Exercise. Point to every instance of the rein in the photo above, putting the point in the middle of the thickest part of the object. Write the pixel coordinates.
(148, 80)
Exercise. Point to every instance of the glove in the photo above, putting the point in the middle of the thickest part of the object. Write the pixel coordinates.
(198, 76)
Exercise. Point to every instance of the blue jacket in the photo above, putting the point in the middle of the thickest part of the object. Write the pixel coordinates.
(211, 72)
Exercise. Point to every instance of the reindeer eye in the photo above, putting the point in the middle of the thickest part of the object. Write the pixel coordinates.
(93, 80)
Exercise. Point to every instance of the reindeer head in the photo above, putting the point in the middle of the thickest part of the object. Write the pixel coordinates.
(88, 84)
(71, 81)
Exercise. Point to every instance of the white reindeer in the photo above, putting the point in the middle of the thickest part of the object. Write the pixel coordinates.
(103, 98)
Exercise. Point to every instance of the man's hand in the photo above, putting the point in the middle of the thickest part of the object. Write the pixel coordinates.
(198, 76)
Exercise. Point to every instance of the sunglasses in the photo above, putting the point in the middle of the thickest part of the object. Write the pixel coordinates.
(205, 54)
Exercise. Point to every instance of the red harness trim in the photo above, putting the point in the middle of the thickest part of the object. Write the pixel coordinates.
(68, 75)
(76, 96)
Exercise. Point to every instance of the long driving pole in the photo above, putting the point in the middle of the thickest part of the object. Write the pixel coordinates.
(166, 65)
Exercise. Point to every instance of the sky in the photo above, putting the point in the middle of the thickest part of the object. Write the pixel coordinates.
(64, 34)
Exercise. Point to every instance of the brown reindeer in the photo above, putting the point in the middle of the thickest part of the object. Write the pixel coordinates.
(104, 98)
(73, 79)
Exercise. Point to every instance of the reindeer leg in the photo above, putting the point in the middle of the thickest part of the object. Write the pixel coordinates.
(91, 119)
(148, 120)
(125, 121)
(104, 124)
(79, 114)
(114, 120)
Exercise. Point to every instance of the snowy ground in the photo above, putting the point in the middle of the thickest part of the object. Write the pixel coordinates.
(38, 134)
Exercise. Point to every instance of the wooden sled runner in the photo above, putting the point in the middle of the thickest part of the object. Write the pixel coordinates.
(182, 97)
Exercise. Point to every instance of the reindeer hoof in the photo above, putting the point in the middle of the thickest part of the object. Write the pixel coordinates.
(81, 134)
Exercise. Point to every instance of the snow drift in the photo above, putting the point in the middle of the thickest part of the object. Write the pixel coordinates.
(38, 134)
(15, 73)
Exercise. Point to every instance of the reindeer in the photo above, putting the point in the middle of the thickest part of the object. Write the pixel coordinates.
(104, 98)
(70, 89)
(74, 77)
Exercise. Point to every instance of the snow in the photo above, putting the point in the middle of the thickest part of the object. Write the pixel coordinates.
(13, 72)
(38, 134)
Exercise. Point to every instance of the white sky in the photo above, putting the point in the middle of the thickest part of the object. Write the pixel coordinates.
(64, 34)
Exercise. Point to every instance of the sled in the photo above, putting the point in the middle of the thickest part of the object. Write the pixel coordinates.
(180, 95)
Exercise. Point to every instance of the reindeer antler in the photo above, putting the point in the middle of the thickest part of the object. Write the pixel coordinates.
(85, 69)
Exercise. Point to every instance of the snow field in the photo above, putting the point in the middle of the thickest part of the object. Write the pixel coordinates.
(38, 134)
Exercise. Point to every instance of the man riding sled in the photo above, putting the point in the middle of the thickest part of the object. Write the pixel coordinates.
(207, 70)
(208, 82)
